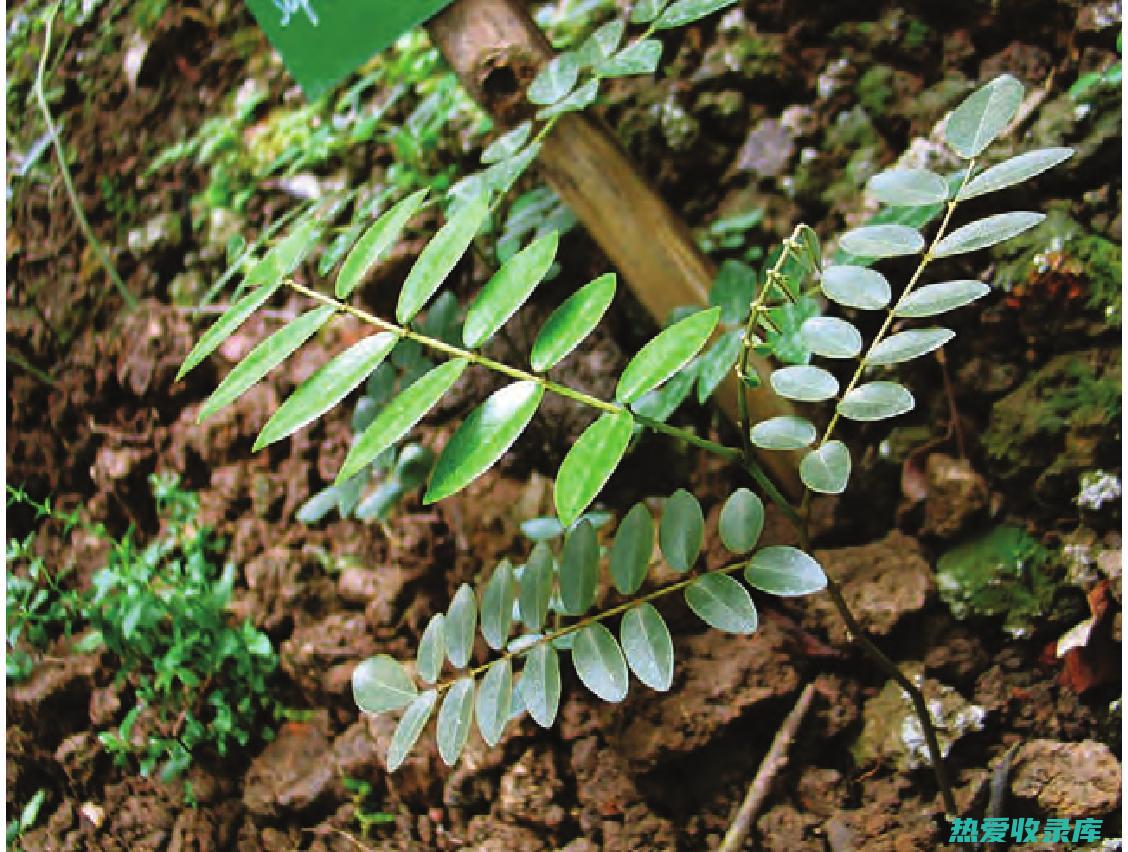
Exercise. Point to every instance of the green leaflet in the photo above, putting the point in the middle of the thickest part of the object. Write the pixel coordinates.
(600, 663)
(978, 121)
(554, 80)
(572, 322)
(665, 354)
(590, 463)
(831, 337)
(284, 258)
(937, 298)
(856, 287)
(579, 569)
(540, 684)
(876, 401)
(536, 586)
(826, 469)
(630, 554)
(721, 602)
(497, 606)
(784, 571)
(380, 235)
(439, 257)
(906, 345)
(410, 727)
(508, 289)
(1015, 170)
(640, 57)
(455, 715)
(687, 11)
(380, 684)
(461, 618)
(717, 361)
(804, 383)
(986, 232)
(432, 649)
(645, 11)
(265, 357)
(508, 144)
(328, 386)
(908, 187)
(602, 43)
(785, 432)
(681, 530)
(581, 98)
(483, 437)
(495, 697)
(880, 241)
(741, 521)
(225, 326)
(399, 415)
(648, 647)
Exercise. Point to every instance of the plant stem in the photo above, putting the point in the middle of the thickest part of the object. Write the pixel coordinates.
(730, 453)
(61, 157)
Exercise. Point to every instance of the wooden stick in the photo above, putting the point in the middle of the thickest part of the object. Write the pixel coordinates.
(774, 761)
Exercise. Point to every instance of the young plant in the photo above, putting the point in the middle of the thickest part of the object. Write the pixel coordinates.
(528, 614)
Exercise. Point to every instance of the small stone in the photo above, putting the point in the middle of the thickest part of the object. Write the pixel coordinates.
(956, 494)
(292, 773)
(767, 149)
(1080, 779)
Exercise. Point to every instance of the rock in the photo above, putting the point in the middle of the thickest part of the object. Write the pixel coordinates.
(1079, 779)
(487, 834)
(291, 775)
(355, 752)
(882, 583)
(891, 730)
(767, 149)
(956, 494)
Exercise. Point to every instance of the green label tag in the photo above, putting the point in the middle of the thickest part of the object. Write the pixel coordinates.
(322, 41)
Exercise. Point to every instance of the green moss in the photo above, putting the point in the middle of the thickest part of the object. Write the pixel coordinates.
(1003, 573)
(875, 89)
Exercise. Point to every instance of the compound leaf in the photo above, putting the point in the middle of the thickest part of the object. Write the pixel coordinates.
(381, 684)
(908, 187)
(721, 602)
(1015, 170)
(328, 386)
(495, 698)
(599, 662)
(784, 571)
(497, 605)
(879, 241)
(508, 289)
(856, 287)
(906, 345)
(572, 322)
(681, 530)
(831, 337)
(380, 235)
(943, 296)
(826, 469)
(432, 649)
(978, 121)
(590, 463)
(410, 727)
(461, 618)
(986, 232)
(455, 715)
(804, 383)
(876, 401)
(741, 521)
(439, 257)
(536, 586)
(540, 684)
(225, 326)
(265, 357)
(630, 553)
(667, 353)
(483, 437)
(648, 647)
(400, 415)
(785, 432)
(579, 569)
